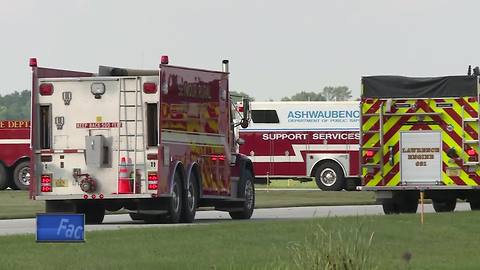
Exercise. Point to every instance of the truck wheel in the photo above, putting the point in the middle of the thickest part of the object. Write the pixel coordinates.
(3, 177)
(329, 176)
(21, 175)
(351, 184)
(175, 202)
(246, 191)
(190, 201)
(407, 202)
(94, 212)
(475, 205)
(445, 205)
(136, 216)
(390, 207)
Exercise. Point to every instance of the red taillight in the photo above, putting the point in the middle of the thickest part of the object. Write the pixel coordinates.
(46, 89)
(164, 59)
(240, 109)
(33, 62)
(472, 99)
(215, 158)
(46, 189)
(150, 88)
(46, 183)
(152, 186)
(369, 153)
(46, 179)
(152, 181)
(152, 177)
(471, 152)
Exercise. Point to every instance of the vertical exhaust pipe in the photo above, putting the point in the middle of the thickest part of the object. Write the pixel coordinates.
(225, 66)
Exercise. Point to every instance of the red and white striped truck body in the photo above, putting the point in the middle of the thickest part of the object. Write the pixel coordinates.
(14, 154)
(156, 142)
(304, 139)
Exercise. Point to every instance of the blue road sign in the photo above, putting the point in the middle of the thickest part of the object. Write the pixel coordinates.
(60, 227)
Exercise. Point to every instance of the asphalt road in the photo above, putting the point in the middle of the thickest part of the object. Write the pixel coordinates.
(114, 222)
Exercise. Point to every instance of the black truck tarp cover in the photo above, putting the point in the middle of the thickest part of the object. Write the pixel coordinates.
(408, 87)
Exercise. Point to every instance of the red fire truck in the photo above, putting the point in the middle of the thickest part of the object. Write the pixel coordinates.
(159, 143)
(304, 140)
(14, 154)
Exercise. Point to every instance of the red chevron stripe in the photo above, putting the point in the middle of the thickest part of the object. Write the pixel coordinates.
(469, 109)
(441, 122)
(458, 118)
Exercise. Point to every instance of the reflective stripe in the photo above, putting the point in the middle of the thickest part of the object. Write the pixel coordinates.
(14, 141)
(299, 148)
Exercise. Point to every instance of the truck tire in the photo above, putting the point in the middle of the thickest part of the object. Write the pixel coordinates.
(475, 205)
(247, 191)
(329, 177)
(94, 212)
(136, 216)
(21, 175)
(407, 202)
(190, 201)
(444, 205)
(390, 207)
(175, 204)
(3, 177)
(351, 184)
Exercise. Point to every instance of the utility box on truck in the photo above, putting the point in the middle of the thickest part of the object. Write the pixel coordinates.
(159, 143)
(303, 139)
(420, 135)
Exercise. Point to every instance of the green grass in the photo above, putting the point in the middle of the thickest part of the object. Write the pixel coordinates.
(16, 204)
(445, 241)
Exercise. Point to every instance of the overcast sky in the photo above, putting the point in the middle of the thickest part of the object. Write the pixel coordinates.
(276, 48)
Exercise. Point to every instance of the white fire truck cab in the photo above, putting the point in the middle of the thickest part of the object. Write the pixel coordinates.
(303, 139)
(159, 143)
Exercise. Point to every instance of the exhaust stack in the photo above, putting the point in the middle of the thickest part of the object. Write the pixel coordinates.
(225, 66)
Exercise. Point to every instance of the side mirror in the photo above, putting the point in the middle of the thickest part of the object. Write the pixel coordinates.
(246, 113)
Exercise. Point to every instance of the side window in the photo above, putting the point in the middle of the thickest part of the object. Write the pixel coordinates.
(45, 127)
(152, 124)
(265, 116)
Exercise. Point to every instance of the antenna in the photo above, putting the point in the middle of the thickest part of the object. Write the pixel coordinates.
(469, 72)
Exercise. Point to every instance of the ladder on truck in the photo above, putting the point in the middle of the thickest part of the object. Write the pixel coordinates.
(469, 143)
(131, 137)
(377, 149)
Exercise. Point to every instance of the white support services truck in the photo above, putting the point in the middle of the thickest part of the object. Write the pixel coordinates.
(159, 143)
(303, 140)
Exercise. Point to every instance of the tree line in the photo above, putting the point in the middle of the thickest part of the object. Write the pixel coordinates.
(329, 93)
(15, 106)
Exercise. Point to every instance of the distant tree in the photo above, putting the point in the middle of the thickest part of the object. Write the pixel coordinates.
(15, 106)
(305, 96)
(337, 93)
(238, 96)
